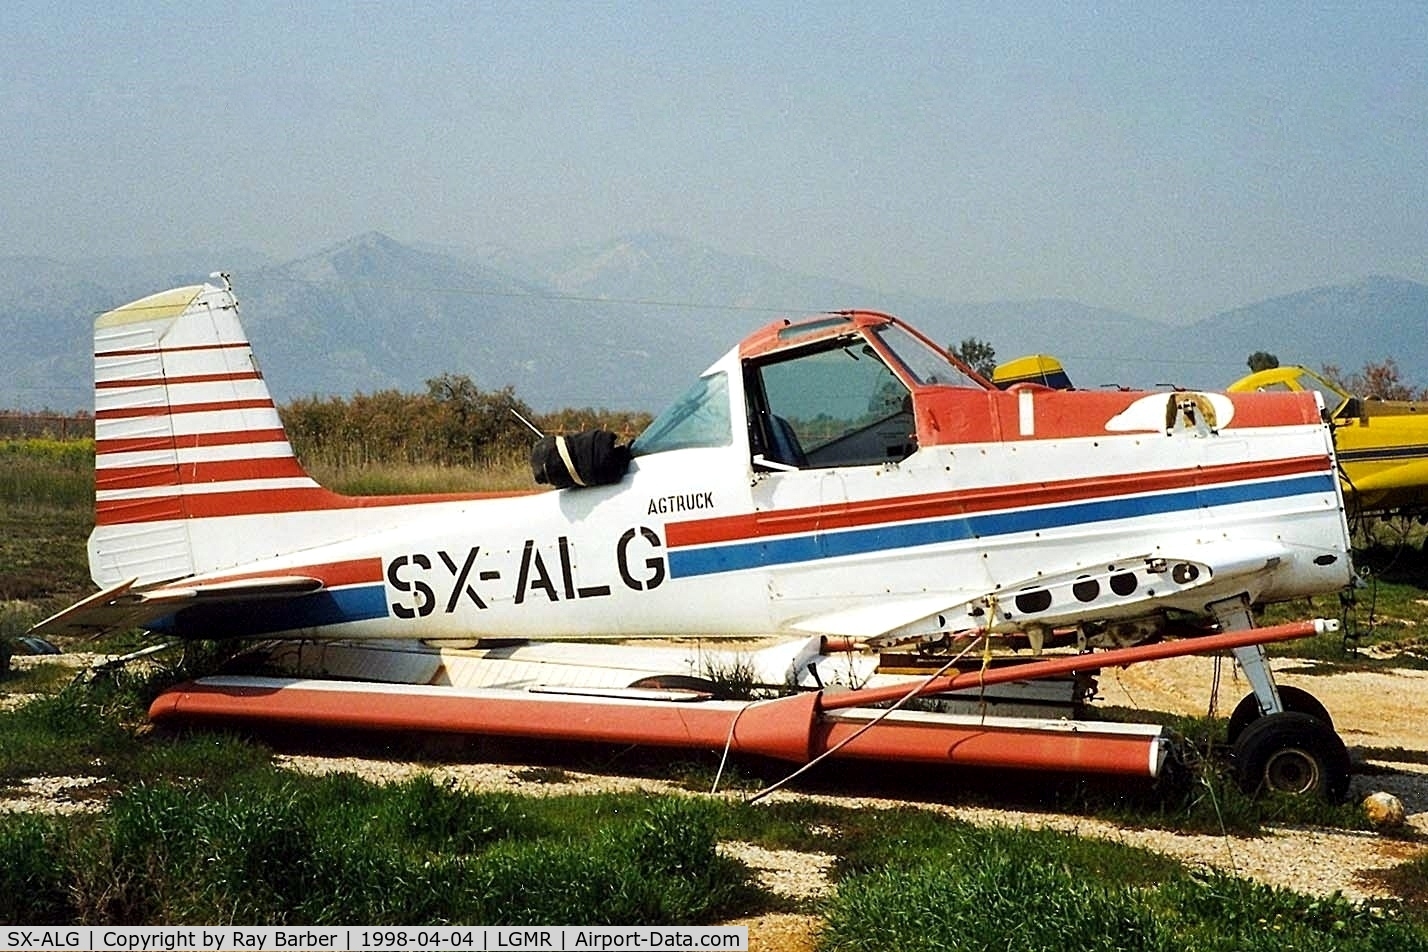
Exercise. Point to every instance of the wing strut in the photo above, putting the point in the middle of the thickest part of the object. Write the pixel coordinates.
(1233, 614)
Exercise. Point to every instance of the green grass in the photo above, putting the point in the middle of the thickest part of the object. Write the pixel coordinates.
(275, 848)
(1410, 879)
(46, 472)
(1384, 618)
(45, 677)
(43, 559)
(97, 729)
(1382, 625)
(46, 512)
(946, 886)
(1010, 899)
(66, 733)
(34, 883)
(201, 827)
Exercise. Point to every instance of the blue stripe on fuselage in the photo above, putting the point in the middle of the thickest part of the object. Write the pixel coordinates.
(265, 616)
(733, 556)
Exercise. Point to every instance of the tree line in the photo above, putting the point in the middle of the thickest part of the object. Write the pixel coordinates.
(454, 423)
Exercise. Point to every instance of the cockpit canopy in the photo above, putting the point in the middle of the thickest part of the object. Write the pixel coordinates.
(833, 390)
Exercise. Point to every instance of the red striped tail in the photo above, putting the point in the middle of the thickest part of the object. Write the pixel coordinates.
(185, 429)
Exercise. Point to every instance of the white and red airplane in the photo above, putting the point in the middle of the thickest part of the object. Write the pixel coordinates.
(836, 477)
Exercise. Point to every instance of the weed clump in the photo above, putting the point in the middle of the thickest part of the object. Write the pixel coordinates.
(292, 850)
(1014, 890)
(33, 874)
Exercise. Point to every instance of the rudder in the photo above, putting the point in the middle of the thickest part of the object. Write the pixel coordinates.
(185, 429)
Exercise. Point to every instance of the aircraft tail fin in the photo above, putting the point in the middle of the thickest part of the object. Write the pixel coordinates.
(185, 431)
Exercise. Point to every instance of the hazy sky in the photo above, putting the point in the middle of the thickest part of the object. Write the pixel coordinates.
(1168, 160)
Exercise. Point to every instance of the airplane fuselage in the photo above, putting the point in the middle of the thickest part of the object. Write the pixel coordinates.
(840, 475)
(697, 541)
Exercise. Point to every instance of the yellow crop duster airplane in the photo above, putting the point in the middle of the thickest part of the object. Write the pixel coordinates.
(1382, 444)
(837, 480)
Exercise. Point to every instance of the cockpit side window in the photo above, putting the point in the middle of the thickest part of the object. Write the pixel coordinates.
(698, 418)
(835, 404)
(927, 365)
(1333, 396)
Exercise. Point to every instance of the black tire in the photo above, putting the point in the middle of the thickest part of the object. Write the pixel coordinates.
(1293, 699)
(1292, 753)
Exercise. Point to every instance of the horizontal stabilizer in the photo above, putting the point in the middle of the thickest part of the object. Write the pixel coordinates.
(121, 607)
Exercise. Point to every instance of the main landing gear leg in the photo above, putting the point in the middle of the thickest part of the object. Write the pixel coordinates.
(1233, 614)
(1287, 745)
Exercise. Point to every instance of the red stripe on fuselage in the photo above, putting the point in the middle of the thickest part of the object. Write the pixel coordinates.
(331, 574)
(260, 502)
(909, 508)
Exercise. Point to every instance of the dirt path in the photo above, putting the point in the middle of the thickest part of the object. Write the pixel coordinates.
(1381, 709)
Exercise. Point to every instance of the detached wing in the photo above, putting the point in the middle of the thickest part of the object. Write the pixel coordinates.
(123, 607)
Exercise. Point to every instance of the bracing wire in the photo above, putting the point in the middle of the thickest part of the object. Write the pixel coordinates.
(913, 692)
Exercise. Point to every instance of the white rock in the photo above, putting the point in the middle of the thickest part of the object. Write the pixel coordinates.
(1384, 809)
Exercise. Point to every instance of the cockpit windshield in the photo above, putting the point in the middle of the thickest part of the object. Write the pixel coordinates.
(698, 418)
(926, 364)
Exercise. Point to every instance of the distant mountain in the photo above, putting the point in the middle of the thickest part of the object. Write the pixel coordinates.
(46, 311)
(651, 266)
(371, 313)
(1348, 325)
(658, 269)
(629, 323)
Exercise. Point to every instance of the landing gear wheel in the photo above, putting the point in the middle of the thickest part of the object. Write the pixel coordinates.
(1293, 699)
(1292, 753)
